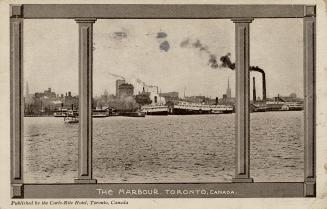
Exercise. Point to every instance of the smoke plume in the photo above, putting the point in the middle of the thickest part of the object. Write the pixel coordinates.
(212, 58)
(146, 85)
(226, 62)
(116, 76)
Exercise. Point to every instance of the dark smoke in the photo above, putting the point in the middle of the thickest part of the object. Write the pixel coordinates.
(212, 62)
(257, 69)
(226, 62)
(199, 45)
(185, 43)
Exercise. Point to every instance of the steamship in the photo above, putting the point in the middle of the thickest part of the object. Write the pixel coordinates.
(276, 106)
(155, 109)
(187, 108)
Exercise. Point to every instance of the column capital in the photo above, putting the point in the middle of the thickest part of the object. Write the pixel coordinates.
(85, 20)
(242, 20)
(309, 11)
(16, 10)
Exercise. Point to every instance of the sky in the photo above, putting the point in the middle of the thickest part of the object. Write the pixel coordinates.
(175, 55)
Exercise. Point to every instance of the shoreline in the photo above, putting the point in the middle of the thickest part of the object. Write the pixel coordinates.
(28, 116)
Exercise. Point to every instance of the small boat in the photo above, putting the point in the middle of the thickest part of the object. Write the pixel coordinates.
(100, 113)
(71, 118)
(59, 114)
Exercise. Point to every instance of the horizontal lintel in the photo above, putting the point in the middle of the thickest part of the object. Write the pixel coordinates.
(167, 11)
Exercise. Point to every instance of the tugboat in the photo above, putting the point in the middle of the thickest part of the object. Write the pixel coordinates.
(71, 118)
(100, 113)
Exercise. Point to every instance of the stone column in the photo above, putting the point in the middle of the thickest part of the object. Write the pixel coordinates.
(242, 52)
(85, 100)
(16, 100)
(309, 101)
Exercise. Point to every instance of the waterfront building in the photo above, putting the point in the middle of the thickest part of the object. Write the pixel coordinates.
(170, 97)
(196, 99)
(28, 99)
(143, 98)
(70, 102)
(125, 90)
(118, 83)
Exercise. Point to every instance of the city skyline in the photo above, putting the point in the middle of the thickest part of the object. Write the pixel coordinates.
(105, 92)
(152, 51)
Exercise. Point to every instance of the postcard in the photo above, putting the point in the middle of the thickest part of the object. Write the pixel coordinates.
(182, 104)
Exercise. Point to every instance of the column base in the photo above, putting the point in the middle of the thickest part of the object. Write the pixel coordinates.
(85, 181)
(242, 180)
(17, 191)
(310, 187)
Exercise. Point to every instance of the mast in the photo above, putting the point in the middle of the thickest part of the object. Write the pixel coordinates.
(184, 91)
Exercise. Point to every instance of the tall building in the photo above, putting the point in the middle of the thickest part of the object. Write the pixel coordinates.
(118, 83)
(228, 90)
(125, 90)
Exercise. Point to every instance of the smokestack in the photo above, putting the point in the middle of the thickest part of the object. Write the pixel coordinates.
(257, 69)
(264, 98)
(216, 100)
(254, 91)
(226, 62)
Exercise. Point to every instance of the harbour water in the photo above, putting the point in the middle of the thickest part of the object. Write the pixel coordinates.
(191, 148)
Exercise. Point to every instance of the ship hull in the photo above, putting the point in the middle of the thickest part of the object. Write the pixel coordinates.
(198, 109)
(177, 111)
(132, 114)
(157, 113)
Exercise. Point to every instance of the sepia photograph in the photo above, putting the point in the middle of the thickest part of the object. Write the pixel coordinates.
(163, 105)
(111, 102)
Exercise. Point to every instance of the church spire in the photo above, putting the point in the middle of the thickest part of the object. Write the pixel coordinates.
(228, 90)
